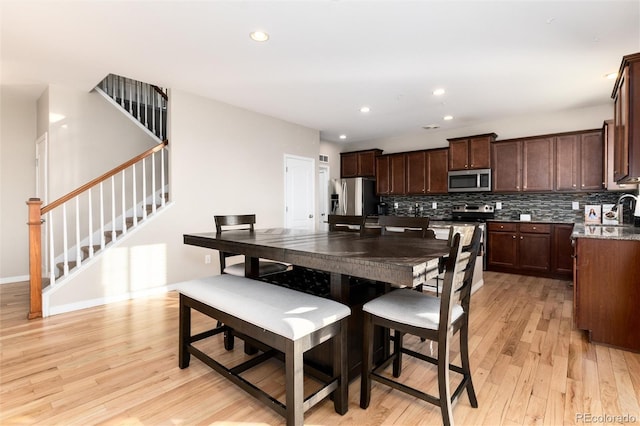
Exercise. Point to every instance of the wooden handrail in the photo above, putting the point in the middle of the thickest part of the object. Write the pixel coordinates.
(102, 178)
(160, 92)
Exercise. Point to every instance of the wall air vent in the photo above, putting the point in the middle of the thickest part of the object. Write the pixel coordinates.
(324, 158)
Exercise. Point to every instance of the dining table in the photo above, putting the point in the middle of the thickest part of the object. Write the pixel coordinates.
(383, 261)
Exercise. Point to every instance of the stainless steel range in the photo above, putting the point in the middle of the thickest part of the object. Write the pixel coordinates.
(472, 213)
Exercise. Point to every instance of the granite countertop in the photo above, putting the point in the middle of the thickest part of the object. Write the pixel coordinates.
(607, 232)
(560, 221)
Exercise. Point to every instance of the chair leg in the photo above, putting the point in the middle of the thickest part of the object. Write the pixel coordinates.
(341, 370)
(228, 340)
(397, 353)
(466, 368)
(184, 334)
(443, 380)
(367, 361)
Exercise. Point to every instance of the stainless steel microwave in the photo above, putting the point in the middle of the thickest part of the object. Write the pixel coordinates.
(470, 180)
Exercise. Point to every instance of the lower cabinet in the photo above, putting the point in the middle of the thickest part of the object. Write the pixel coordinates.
(606, 291)
(530, 248)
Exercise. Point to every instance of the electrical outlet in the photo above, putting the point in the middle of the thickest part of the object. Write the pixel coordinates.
(207, 259)
(395, 205)
(575, 205)
(434, 205)
(498, 205)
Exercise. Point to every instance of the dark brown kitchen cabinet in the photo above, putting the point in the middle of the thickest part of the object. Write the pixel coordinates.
(427, 172)
(608, 136)
(579, 161)
(359, 163)
(390, 174)
(626, 96)
(562, 250)
(537, 164)
(507, 169)
(472, 152)
(530, 248)
(606, 291)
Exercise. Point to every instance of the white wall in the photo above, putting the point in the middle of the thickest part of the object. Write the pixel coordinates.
(507, 128)
(333, 150)
(223, 160)
(17, 180)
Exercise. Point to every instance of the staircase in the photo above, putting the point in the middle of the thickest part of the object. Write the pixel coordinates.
(83, 224)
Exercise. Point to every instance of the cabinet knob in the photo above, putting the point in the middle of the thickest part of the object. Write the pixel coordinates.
(514, 237)
(522, 238)
(534, 227)
(583, 185)
(501, 226)
(517, 186)
(471, 165)
(574, 185)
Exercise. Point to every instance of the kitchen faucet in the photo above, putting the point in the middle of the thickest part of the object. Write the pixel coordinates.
(636, 212)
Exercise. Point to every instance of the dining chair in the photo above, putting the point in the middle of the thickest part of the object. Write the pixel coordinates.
(407, 225)
(244, 222)
(466, 234)
(346, 223)
(436, 319)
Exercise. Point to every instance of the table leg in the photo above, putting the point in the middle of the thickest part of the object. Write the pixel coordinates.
(251, 270)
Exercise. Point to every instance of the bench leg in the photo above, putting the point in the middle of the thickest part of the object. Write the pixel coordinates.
(294, 380)
(184, 334)
(341, 370)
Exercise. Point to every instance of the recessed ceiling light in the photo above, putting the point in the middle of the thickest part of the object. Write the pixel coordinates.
(343, 136)
(448, 117)
(259, 36)
(438, 92)
(365, 109)
(430, 126)
(611, 75)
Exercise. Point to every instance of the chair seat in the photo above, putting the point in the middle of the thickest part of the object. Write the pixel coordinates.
(410, 307)
(266, 267)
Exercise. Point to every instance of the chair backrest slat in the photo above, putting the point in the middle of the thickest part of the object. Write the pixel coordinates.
(237, 222)
(346, 223)
(411, 226)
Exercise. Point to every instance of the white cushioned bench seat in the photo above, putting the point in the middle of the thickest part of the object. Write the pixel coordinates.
(289, 313)
(278, 320)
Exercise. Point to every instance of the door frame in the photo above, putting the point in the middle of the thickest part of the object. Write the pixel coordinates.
(312, 163)
(42, 192)
(323, 202)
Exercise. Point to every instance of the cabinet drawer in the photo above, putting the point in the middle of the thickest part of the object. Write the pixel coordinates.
(502, 226)
(535, 228)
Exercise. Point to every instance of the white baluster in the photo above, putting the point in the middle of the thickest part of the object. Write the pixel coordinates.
(144, 188)
(102, 236)
(135, 203)
(65, 243)
(138, 85)
(161, 115)
(124, 205)
(52, 257)
(90, 224)
(78, 248)
(162, 185)
(113, 208)
(130, 82)
(153, 182)
(146, 107)
(121, 82)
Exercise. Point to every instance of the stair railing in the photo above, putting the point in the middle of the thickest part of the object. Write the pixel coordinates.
(146, 102)
(134, 188)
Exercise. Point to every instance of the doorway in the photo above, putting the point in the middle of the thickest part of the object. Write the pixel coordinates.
(299, 192)
(323, 196)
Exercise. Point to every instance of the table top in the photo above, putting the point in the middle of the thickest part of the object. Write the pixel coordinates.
(398, 260)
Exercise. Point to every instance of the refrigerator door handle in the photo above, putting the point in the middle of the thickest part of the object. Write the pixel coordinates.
(344, 197)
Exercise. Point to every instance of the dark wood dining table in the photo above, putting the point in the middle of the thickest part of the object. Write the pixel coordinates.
(388, 259)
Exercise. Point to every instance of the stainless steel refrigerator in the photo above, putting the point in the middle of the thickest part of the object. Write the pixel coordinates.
(354, 197)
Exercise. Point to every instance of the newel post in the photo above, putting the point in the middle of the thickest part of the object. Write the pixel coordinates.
(35, 258)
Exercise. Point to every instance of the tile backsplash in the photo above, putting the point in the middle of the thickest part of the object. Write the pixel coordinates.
(541, 206)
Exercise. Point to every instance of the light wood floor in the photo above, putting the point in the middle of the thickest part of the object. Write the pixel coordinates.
(117, 364)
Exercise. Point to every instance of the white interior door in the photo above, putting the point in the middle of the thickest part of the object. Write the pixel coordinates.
(323, 196)
(299, 192)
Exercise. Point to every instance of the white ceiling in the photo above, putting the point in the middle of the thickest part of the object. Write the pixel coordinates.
(327, 58)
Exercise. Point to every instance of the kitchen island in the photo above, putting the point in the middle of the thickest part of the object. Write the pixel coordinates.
(607, 284)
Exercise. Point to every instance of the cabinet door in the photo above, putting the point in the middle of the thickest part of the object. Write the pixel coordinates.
(367, 164)
(534, 252)
(591, 161)
(382, 175)
(348, 165)
(506, 166)
(459, 154)
(397, 173)
(416, 172)
(479, 153)
(562, 249)
(437, 171)
(537, 164)
(501, 248)
(567, 153)
(621, 120)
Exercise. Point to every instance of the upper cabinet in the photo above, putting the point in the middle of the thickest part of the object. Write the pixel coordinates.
(427, 172)
(390, 174)
(472, 152)
(359, 163)
(579, 161)
(608, 136)
(626, 95)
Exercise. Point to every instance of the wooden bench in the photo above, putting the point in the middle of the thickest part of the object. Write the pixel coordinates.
(280, 321)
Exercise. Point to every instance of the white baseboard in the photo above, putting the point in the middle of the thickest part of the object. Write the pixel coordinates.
(16, 279)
